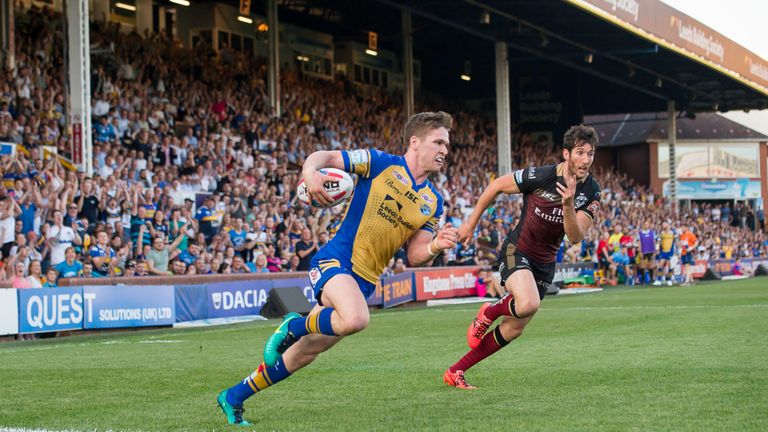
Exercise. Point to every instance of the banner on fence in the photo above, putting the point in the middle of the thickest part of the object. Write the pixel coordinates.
(570, 270)
(445, 283)
(48, 310)
(398, 289)
(237, 298)
(9, 312)
(191, 302)
(377, 298)
(129, 306)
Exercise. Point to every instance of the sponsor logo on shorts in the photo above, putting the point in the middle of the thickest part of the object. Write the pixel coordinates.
(314, 275)
(518, 176)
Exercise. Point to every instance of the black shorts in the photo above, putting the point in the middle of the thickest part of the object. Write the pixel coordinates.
(512, 260)
(648, 258)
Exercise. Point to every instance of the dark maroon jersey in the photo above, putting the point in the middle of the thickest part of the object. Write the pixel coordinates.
(541, 230)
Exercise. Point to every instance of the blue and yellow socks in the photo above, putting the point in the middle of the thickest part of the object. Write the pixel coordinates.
(259, 380)
(319, 322)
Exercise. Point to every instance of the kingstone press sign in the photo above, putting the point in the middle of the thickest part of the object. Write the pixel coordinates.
(128, 306)
(237, 298)
(438, 284)
(47, 310)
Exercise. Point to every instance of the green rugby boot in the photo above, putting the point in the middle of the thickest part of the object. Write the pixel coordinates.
(280, 340)
(234, 414)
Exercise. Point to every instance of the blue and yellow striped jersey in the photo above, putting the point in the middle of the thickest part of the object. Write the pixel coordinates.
(387, 208)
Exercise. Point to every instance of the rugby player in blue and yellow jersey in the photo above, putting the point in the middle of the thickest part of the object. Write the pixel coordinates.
(393, 203)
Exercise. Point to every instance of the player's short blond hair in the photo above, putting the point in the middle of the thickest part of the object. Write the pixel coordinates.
(419, 124)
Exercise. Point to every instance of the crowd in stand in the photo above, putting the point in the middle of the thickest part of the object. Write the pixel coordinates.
(192, 173)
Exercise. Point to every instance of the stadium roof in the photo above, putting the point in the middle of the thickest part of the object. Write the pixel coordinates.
(618, 56)
(624, 129)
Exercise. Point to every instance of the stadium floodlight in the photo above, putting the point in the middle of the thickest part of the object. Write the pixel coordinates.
(466, 77)
(126, 6)
(588, 58)
(302, 58)
(371, 52)
(659, 82)
(485, 18)
(245, 19)
(180, 2)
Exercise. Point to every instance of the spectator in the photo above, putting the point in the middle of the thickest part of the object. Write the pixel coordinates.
(102, 256)
(51, 278)
(157, 259)
(70, 267)
(305, 249)
(61, 237)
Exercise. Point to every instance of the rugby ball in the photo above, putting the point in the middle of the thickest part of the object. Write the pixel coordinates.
(340, 189)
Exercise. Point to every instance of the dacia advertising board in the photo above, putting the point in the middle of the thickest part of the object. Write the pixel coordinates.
(237, 298)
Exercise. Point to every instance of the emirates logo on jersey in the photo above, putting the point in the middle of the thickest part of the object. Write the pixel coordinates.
(556, 216)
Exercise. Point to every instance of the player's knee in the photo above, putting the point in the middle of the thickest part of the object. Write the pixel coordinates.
(354, 323)
(527, 307)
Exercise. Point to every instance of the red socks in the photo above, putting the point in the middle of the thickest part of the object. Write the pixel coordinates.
(492, 342)
(504, 307)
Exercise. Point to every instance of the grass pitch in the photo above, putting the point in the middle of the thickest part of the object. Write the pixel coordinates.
(682, 358)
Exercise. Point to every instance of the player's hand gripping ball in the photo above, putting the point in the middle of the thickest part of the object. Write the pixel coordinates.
(338, 186)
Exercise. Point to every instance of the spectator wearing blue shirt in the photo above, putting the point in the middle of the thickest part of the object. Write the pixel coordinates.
(70, 267)
(260, 266)
(237, 236)
(102, 255)
(104, 131)
(51, 277)
(189, 256)
(29, 203)
(620, 260)
(207, 219)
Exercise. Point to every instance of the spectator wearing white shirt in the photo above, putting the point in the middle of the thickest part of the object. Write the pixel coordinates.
(60, 237)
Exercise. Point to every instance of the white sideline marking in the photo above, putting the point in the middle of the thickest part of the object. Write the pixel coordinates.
(550, 309)
(5, 429)
(160, 341)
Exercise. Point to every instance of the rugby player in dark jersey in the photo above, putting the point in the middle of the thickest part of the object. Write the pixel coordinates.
(557, 199)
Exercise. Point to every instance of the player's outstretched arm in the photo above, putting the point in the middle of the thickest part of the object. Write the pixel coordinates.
(504, 184)
(314, 179)
(423, 247)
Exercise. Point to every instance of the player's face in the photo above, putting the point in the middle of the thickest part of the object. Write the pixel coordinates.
(580, 159)
(433, 148)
